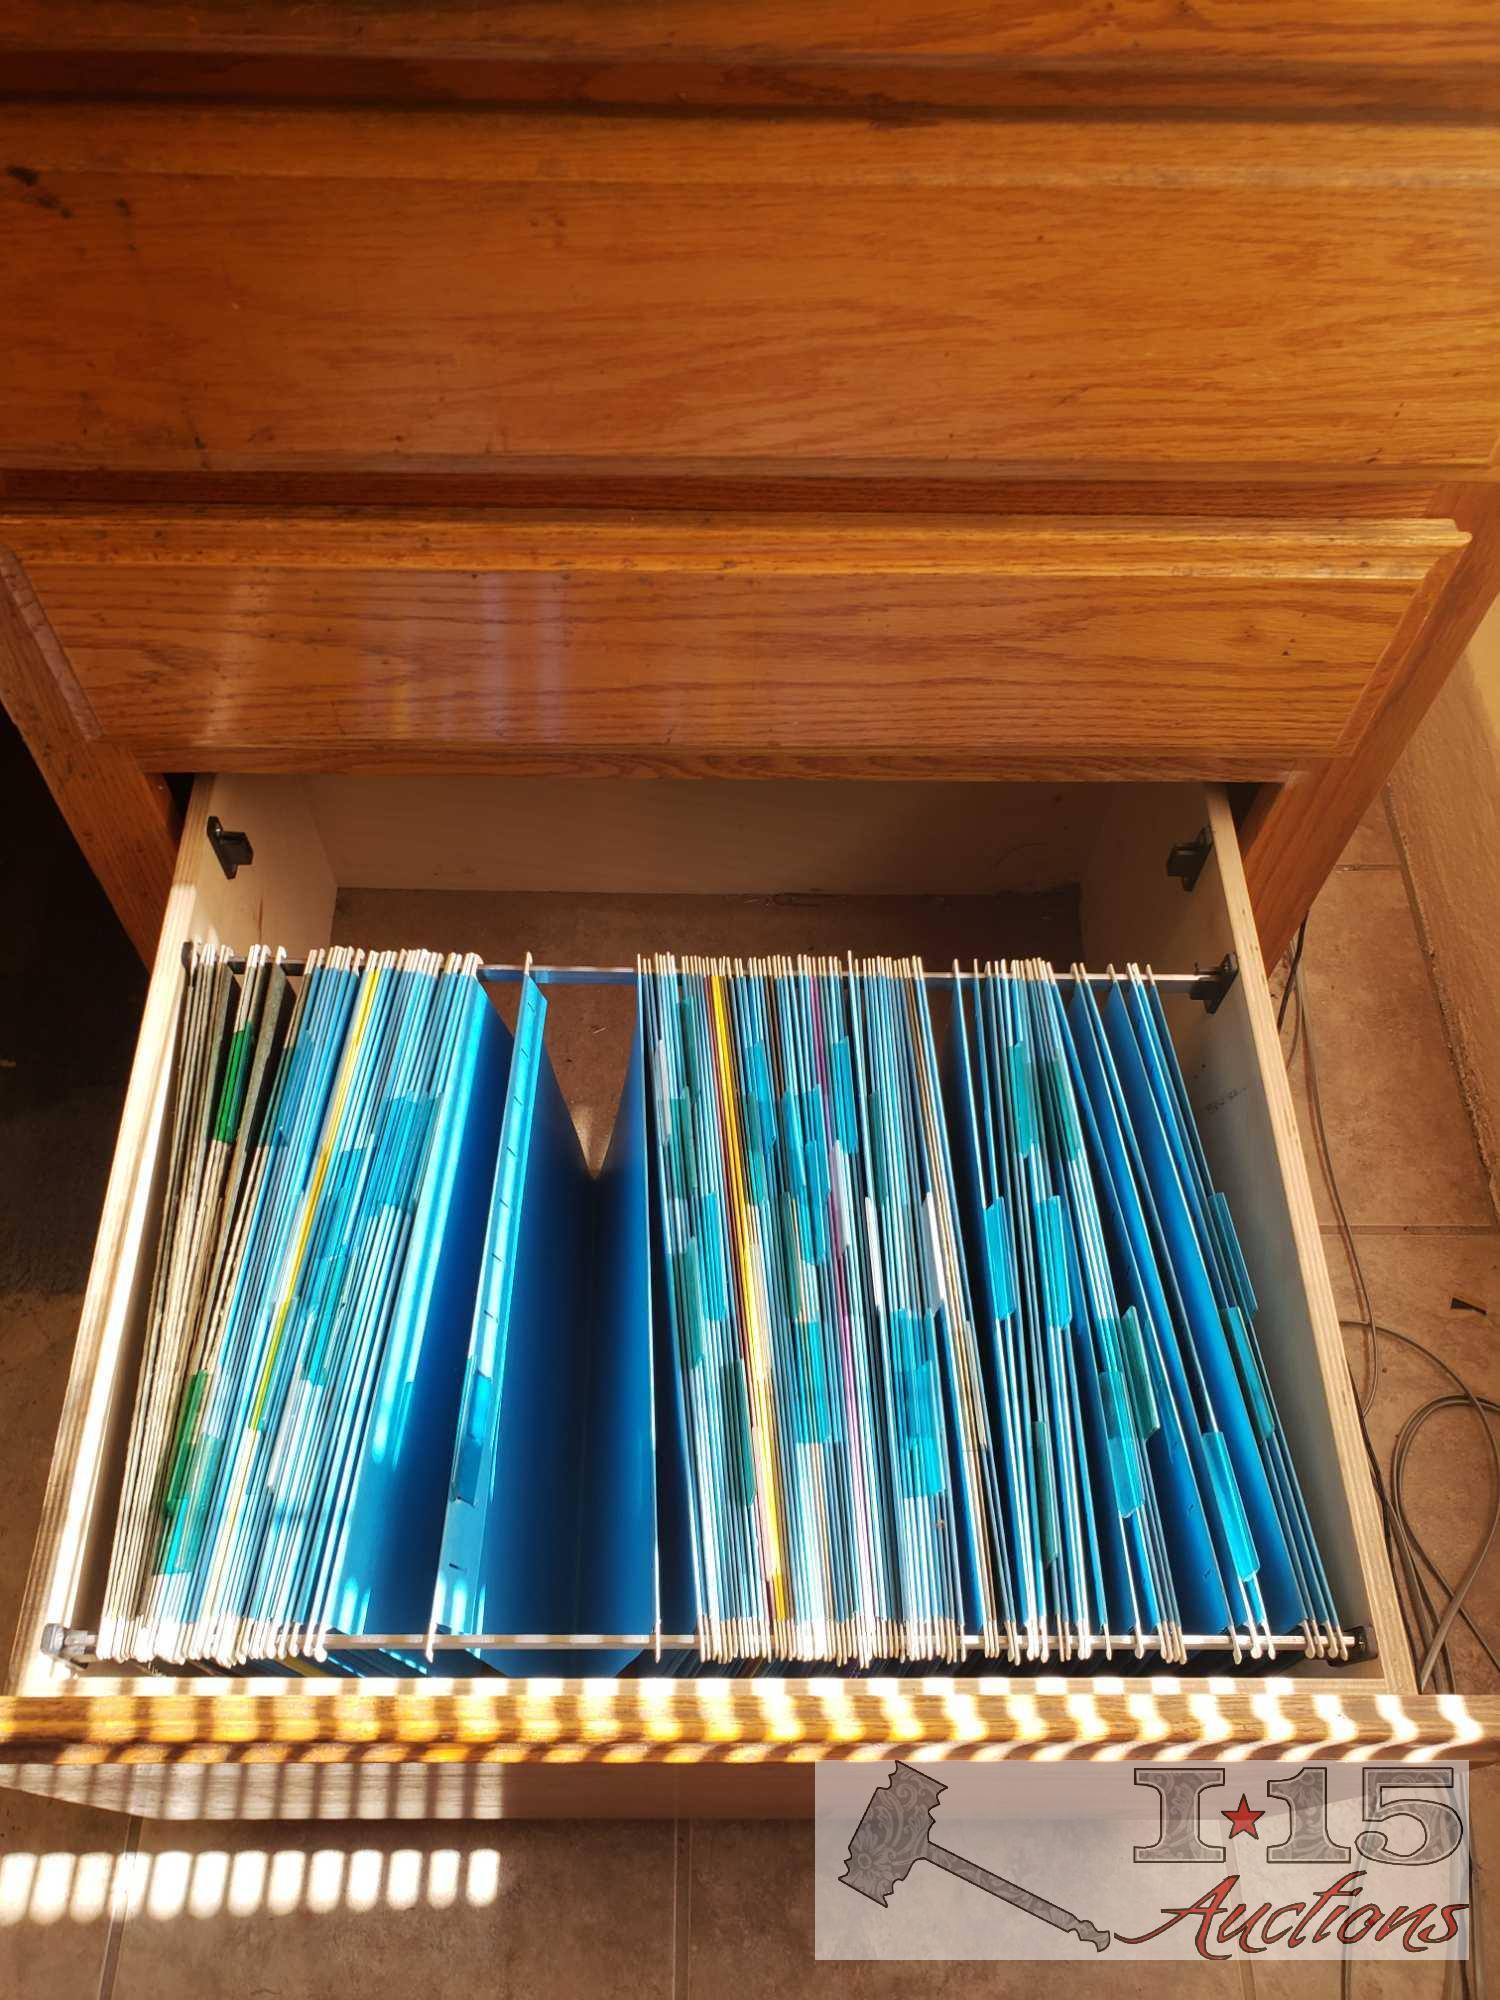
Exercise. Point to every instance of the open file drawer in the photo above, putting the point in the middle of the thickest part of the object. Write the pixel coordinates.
(589, 872)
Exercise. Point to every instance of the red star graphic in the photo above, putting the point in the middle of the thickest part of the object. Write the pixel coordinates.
(1242, 1819)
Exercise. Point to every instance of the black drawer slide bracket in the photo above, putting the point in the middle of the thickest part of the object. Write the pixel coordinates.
(1187, 860)
(231, 850)
(1212, 986)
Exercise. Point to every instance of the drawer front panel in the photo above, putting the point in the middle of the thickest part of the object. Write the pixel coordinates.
(301, 290)
(1071, 647)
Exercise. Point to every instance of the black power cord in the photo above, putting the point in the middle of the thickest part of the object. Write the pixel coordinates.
(1428, 1626)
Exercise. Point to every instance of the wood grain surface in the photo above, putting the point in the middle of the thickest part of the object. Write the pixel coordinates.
(338, 642)
(1224, 281)
(229, 287)
(124, 819)
(1296, 832)
(1040, 55)
(741, 1722)
(1438, 34)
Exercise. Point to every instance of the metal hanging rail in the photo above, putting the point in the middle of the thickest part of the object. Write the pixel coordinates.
(1208, 986)
(77, 1647)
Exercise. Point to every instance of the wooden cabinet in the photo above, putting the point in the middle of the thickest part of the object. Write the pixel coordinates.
(704, 1746)
(415, 433)
(217, 289)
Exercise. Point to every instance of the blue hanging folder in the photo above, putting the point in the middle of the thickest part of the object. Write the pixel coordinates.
(491, 1564)
(1156, 1375)
(1047, 1312)
(1247, 1515)
(735, 1386)
(1123, 1596)
(341, 1315)
(218, 1406)
(1127, 1422)
(1235, 1293)
(680, 1591)
(636, 1573)
(1224, 1268)
(382, 1579)
(550, 1524)
(986, 1215)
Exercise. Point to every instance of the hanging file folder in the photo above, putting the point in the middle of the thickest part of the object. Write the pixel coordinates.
(905, 1323)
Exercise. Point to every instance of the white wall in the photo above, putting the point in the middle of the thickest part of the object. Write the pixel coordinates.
(1446, 796)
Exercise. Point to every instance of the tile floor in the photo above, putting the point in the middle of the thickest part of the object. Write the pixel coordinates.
(97, 1907)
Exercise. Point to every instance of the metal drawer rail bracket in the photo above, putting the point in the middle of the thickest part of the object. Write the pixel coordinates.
(1187, 860)
(232, 851)
(1212, 987)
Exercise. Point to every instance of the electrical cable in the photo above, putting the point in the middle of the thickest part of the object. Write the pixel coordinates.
(1427, 1626)
(1294, 966)
(1454, 1608)
(1291, 1054)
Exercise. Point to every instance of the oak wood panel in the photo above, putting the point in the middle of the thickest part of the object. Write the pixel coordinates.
(806, 544)
(503, 638)
(717, 1722)
(124, 820)
(1252, 54)
(972, 763)
(1295, 832)
(227, 288)
(1438, 34)
(484, 148)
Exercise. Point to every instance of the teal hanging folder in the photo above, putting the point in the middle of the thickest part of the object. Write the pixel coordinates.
(388, 1552)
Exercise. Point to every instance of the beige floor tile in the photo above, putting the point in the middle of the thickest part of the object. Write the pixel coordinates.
(58, 1870)
(1374, 1979)
(1387, 1979)
(37, 1331)
(1484, 1842)
(1450, 1481)
(1285, 1981)
(1414, 1277)
(750, 1934)
(1402, 1145)
(544, 1910)
(1373, 845)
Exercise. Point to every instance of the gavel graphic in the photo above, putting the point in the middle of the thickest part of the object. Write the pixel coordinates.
(895, 1834)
